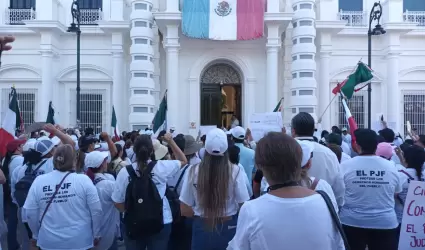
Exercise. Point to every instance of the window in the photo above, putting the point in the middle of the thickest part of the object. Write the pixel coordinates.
(140, 41)
(27, 104)
(140, 74)
(414, 111)
(151, 25)
(140, 127)
(294, 110)
(140, 24)
(91, 111)
(294, 75)
(90, 4)
(305, 92)
(294, 24)
(294, 58)
(140, 6)
(306, 74)
(22, 4)
(152, 110)
(140, 109)
(138, 58)
(294, 8)
(307, 110)
(308, 6)
(357, 105)
(294, 93)
(141, 92)
(306, 23)
(151, 42)
(151, 58)
(413, 5)
(306, 40)
(151, 75)
(352, 5)
(306, 56)
(294, 41)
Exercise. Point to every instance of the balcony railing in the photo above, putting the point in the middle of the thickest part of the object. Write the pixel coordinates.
(353, 18)
(414, 17)
(91, 16)
(19, 16)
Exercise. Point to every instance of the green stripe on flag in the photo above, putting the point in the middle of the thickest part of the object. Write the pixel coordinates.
(363, 74)
(277, 108)
(161, 114)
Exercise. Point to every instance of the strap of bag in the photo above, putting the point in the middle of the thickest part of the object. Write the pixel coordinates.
(314, 184)
(35, 170)
(408, 175)
(53, 196)
(181, 176)
(131, 172)
(150, 167)
(335, 217)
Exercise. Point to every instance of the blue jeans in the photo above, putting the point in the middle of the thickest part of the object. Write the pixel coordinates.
(216, 239)
(12, 227)
(156, 242)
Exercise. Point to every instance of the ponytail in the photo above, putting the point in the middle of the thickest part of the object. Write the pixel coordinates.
(143, 149)
(305, 179)
(90, 173)
(81, 156)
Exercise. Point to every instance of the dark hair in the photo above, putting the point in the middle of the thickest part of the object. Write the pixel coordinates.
(279, 157)
(32, 157)
(119, 149)
(380, 139)
(237, 140)
(303, 124)
(234, 154)
(367, 139)
(335, 138)
(415, 158)
(409, 141)
(324, 133)
(143, 150)
(91, 173)
(180, 142)
(203, 138)
(337, 150)
(388, 135)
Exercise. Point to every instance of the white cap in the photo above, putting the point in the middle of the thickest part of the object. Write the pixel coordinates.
(216, 142)
(94, 159)
(29, 144)
(344, 129)
(238, 132)
(56, 141)
(307, 148)
(43, 138)
(44, 146)
(160, 150)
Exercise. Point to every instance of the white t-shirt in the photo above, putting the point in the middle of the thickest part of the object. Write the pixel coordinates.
(370, 185)
(238, 192)
(271, 223)
(401, 199)
(162, 172)
(68, 217)
(16, 161)
(346, 148)
(345, 157)
(109, 227)
(174, 179)
(321, 185)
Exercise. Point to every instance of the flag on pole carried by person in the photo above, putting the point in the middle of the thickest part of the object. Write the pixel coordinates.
(350, 120)
(12, 121)
(114, 125)
(278, 107)
(223, 19)
(361, 76)
(51, 114)
(161, 115)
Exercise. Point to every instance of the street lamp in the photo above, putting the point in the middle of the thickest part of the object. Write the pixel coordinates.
(375, 14)
(75, 28)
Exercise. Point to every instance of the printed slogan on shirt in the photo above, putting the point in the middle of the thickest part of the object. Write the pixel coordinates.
(412, 233)
(370, 179)
(62, 195)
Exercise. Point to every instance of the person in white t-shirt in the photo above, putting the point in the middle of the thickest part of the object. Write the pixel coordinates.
(96, 164)
(63, 206)
(289, 216)
(161, 172)
(371, 182)
(325, 165)
(212, 192)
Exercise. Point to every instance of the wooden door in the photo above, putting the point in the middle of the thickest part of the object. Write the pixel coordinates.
(211, 104)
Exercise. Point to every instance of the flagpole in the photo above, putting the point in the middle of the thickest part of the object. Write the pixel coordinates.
(326, 109)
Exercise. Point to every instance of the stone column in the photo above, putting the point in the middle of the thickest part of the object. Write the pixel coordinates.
(173, 6)
(393, 94)
(250, 100)
(119, 86)
(46, 89)
(273, 46)
(324, 89)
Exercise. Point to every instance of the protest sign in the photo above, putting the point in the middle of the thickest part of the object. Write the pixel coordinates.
(262, 123)
(412, 233)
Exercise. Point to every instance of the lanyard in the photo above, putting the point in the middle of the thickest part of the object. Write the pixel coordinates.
(286, 184)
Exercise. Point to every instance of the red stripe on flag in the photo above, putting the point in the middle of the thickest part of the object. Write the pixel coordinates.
(5, 138)
(338, 87)
(250, 19)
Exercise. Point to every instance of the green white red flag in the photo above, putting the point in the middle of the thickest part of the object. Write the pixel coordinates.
(114, 125)
(350, 120)
(12, 121)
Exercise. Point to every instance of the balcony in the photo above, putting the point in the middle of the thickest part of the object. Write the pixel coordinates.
(91, 16)
(19, 16)
(353, 18)
(414, 17)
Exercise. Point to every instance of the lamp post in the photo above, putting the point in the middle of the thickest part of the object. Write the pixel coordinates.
(375, 15)
(75, 28)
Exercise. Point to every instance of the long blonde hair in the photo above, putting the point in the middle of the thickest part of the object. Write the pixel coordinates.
(214, 178)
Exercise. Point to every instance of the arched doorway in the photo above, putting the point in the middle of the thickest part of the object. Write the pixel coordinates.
(221, 95)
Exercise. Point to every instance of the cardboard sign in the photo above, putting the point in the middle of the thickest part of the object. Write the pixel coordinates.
(262, 123)
(412, 233)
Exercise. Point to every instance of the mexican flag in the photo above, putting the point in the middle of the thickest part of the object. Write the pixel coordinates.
(351, 122)
(11, 122)
(278, 107)
(362, 75)
(114, 124)
(50, 114)
(161, 115)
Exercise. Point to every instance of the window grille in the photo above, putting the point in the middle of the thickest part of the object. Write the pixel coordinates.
(93, 108)
(358, 108)
(27, 99)
(413, 110)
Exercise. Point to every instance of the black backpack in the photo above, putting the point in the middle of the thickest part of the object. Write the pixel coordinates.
(173, 197)
(143, 204)
(22, 187)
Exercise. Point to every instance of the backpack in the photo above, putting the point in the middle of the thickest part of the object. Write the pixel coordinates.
(143, 204)
(22, 187)
(173, 197)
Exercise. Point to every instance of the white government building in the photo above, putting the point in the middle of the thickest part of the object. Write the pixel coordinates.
(133, 51)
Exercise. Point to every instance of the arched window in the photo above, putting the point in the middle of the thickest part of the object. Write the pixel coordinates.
(90, 4)
(22, 4)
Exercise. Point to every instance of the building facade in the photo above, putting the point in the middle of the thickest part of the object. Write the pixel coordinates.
(133, 52)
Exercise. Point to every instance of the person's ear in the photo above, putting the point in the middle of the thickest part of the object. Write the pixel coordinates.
(356, 148)
(293, 132)
(308, 165)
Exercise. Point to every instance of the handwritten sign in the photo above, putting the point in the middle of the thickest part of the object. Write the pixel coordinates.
(262, 123)
(412, 233)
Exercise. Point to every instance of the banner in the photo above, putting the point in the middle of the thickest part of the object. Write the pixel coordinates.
(262, 123)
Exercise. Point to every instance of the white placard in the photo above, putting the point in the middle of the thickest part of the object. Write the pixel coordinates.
(262, 123)
(412, 233)
(205, 129)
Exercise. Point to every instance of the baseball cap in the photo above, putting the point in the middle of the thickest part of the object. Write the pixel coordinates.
(86, 140)
(13, 145)
(95, 159)
(216, 142)
(29, 144)
(307, 147)
(344, 129)
(384, 150)
(44, 146)
(238, 132)
(160, 150)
